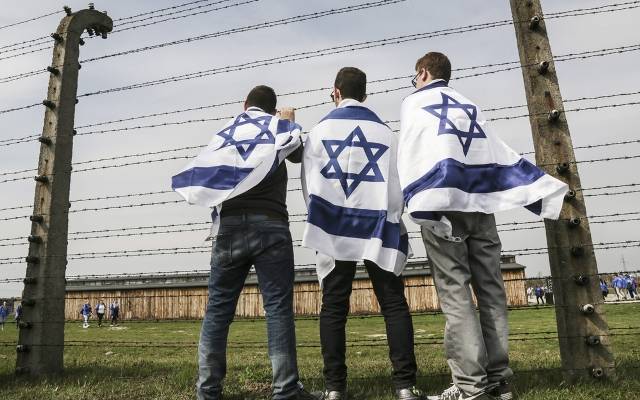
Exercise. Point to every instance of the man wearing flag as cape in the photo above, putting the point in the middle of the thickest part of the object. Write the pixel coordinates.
(355, 205)
(455, 173)
(243, 177)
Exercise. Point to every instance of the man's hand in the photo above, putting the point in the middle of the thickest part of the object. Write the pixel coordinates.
(287, 113)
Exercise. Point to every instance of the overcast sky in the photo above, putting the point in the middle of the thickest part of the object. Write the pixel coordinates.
(579, 78)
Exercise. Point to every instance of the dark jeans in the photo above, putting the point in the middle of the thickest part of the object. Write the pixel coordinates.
(265, 243)
(389, 290)
(114, 319)
(100, 318)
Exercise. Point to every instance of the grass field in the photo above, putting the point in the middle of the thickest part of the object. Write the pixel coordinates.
(147, 370)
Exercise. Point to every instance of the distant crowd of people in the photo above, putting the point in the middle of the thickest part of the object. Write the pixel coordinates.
(5, 311)
(86, 311)
(625, 286)
(539, 291)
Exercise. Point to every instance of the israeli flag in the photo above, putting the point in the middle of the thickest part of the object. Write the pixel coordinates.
(352, 191)
(241, 155)
(449, 160)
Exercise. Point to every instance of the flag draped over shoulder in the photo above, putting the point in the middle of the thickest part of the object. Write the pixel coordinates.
(352, 190)
(449, 160)
(239, 156)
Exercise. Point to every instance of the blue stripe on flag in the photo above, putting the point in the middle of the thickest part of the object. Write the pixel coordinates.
(286, 126)
(221, 177)
(356, 223)
(535, 208)
(481, 178)
(355, 113)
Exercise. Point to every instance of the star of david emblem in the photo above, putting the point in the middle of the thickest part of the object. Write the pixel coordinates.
(351, 180)
(246, 146)
(449, 127)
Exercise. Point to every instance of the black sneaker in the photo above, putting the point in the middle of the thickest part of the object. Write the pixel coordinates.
(502, 391)
(330, 395)
(411, 393)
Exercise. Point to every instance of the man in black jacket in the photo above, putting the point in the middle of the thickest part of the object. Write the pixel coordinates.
(254, 230)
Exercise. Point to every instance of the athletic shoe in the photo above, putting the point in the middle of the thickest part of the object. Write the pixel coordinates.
(411, 393)
(502, 391)
(330, 395)
(454, 393)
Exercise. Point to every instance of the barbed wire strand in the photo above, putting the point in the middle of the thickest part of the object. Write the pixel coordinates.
(154, 20)
(188, 40)
(50, 13)
(296, 243)
(205, 226)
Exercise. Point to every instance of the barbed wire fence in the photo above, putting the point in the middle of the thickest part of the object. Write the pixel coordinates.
(186, 10)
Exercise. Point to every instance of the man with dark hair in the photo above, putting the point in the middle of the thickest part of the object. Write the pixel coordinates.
(351, 83)
(455, 174)
(357, 219)
(242, 175)
(262, 97)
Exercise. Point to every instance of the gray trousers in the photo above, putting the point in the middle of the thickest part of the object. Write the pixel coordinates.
(476, 348)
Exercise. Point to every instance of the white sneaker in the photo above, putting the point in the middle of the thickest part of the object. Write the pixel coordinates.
(452, 393)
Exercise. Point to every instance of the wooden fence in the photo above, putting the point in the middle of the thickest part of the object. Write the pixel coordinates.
(190, 303)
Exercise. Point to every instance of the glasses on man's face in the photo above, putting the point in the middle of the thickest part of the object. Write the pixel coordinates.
(333, 97)
(414, 81)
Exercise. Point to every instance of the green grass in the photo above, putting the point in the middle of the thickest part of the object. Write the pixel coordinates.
(106, 371)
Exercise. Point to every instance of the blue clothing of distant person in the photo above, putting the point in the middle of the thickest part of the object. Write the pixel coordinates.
(539, 295)
(604, 289)
(4, 312)
(85, 311)
(620, 285)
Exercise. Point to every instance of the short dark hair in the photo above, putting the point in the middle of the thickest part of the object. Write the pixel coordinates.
(352, 83)
(263, 97)
(437, 64)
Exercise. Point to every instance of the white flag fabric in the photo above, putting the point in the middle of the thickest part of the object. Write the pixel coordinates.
(449, 160)
(352, 190)
(241, 155)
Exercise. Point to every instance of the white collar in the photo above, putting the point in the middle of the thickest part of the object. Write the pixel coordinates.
(349, 103)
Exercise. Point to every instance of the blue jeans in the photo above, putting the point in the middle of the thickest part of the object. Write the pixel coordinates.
(265, 243)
